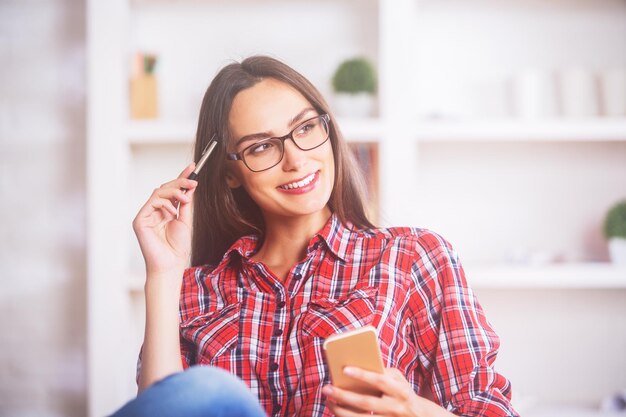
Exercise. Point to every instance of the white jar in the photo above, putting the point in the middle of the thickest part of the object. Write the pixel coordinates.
(534, 94)
(613, 92)
(579, 95)
(617, 250)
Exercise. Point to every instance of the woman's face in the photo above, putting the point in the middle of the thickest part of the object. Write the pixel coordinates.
(272, 109)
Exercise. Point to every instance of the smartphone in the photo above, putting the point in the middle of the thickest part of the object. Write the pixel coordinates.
(358, 347)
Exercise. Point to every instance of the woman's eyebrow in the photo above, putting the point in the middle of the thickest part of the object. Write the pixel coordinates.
(300, 115)
(263, 135)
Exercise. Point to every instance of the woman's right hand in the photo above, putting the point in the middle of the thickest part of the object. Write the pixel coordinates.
(163, 231)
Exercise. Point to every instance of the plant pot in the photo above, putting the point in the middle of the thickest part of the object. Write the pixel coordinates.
(617, 250)
(354, 105)
(143, 97)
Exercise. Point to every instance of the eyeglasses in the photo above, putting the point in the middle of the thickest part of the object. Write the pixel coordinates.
(268, 153)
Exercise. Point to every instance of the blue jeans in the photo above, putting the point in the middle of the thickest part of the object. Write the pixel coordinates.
(200, 391)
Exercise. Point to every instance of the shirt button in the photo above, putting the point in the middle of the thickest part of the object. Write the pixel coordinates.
(273, 366)
(278, 332)
(281, 304)
(297, 276)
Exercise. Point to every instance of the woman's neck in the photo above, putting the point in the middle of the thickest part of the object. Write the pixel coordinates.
(286, 240)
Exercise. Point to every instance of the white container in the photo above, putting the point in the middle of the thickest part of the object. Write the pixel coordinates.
(613, 92)
(579, 95)
(617, 250)
(354, 105)
(534, 94)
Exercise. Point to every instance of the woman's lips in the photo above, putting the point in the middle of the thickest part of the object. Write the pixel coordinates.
(304, 188)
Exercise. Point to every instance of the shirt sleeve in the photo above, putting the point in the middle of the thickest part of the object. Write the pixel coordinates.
(459, 345)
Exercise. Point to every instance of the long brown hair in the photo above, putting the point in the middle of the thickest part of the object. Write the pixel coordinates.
(221, 214)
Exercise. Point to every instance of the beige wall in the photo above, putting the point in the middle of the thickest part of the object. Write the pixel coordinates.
(42, 215)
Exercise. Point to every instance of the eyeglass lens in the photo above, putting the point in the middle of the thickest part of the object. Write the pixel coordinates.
(269, 152)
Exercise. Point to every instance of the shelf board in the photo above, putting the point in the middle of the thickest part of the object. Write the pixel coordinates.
(555, 276)
(154, 132)
(160, 132)
(361, 129)
(495, 276)
(558, 130)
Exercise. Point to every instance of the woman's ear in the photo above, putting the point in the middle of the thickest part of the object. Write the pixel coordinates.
(231, 179)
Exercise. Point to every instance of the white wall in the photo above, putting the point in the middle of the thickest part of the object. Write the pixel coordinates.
(42, 190)
(559, 346)
(499, 202)
(468, 53)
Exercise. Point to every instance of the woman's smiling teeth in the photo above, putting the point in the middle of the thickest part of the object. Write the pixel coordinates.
(298, 184)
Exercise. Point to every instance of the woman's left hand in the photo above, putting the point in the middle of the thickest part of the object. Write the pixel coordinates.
(398, 397)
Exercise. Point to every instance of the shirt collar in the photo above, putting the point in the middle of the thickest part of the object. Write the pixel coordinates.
(334, 234)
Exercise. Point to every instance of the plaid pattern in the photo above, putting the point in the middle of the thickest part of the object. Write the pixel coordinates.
(406, 282)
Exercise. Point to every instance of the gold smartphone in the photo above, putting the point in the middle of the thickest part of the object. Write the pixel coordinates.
(358, 347)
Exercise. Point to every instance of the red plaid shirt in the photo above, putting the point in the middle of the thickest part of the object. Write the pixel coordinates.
(406, 282)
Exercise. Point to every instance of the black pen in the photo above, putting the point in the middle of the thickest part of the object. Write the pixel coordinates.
(205, 155)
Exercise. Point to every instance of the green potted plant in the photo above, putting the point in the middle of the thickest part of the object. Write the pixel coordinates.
(355, 84)
(615, 232)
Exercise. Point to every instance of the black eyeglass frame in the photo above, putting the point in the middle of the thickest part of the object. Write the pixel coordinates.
(238, 156)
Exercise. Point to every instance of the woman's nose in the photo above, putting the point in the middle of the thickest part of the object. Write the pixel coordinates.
(294, 157)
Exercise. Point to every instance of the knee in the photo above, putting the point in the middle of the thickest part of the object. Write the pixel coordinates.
(211, 379)
(193, 393)
(213, 383)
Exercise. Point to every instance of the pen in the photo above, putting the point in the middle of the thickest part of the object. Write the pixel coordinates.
(205, 155)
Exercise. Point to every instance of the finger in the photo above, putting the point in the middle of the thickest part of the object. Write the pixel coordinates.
(395, 373)
(353, 400)
(182, 184)
(154, 203)
(340, 411)
(388, 383)
(174, 194)
(185, 209)
(186, 173)
(165, 205)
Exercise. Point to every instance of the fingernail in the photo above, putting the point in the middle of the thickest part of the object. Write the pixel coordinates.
(349, 371)
(327, 390)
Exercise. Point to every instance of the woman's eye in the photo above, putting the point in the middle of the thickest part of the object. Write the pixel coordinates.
(306, 128)
(260, 148)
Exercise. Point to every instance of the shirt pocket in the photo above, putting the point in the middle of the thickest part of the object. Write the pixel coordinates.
(325, 317)
(213, 335)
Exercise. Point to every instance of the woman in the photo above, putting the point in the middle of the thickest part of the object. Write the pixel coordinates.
(282, 257)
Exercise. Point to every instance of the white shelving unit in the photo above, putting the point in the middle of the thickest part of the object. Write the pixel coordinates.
(195, 38)
(550, 276)
(551, 130)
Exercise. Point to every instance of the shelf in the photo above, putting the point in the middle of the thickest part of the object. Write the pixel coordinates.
(494, 276)
(561, 130)
(361, 130)
(159, 132)
(561, 276)
(154, 132)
